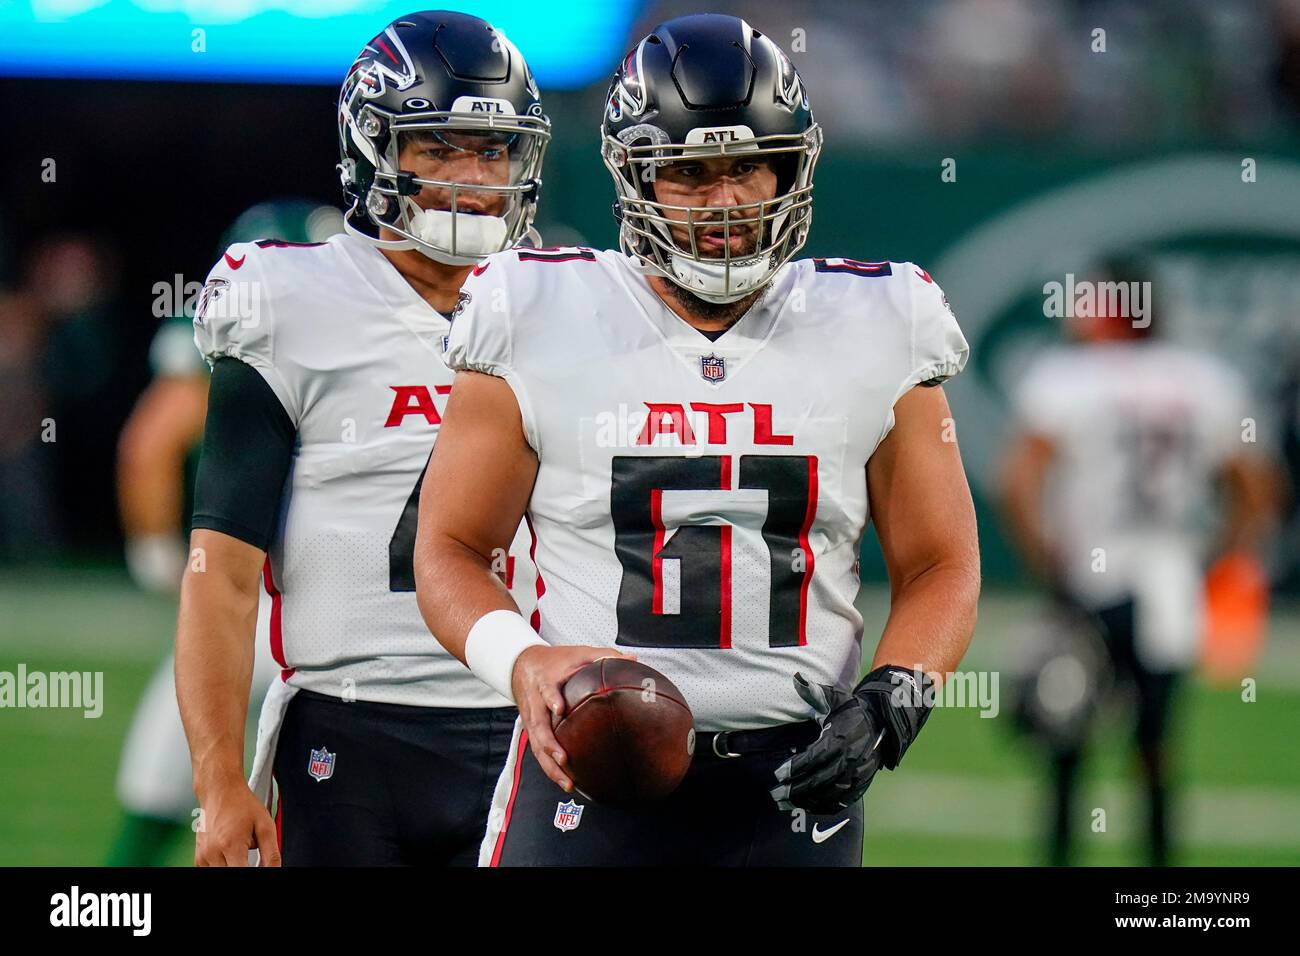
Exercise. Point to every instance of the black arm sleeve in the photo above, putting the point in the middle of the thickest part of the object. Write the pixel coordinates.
(247, 449)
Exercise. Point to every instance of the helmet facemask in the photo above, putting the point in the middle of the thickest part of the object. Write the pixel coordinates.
(448, 231)
(781, 223)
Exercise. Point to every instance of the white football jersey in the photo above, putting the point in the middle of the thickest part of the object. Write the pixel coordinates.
(700, 503)
(355, 356)
(1140, 431)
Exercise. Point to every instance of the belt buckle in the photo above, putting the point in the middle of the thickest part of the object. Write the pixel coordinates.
(720, 736)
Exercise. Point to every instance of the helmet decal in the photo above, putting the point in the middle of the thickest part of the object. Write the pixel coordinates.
(631, 90)
(383, 61)
(790, 87)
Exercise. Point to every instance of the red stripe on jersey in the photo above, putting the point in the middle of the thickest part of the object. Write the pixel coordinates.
(535, 619)
(554, 254)
(724, 583)
(277, 634)
(510, 804)
(656, 562)
(808, 517)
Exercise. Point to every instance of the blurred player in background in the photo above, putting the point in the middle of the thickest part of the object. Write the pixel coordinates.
(327, 392)
(156, 454)
(27, 517)
(1133, 467)
(720, 544)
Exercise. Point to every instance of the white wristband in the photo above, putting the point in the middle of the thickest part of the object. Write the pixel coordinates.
(493, 645)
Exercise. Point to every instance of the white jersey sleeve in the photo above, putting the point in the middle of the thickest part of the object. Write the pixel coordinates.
(235, 317)
(482, 337)
(938, 348)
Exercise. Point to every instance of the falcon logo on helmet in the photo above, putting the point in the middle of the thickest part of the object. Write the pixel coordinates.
(790, 86)
(383, 61)
(628, 93)
(455, 82)
(700, 87)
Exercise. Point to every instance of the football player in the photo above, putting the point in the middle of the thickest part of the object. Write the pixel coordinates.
(1111, 485)
(699, 428)
(156, 451)
(327, 393)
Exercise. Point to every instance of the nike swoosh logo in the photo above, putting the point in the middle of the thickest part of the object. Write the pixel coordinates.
(821, 836)
(235, 263)
(481, 268)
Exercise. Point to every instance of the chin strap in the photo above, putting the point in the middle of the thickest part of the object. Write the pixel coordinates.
(477, 236)
(708, 280)
(530, 239)
(694, 276)
(434, 228)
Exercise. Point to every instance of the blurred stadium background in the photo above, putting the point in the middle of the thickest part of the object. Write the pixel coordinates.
(132, 141)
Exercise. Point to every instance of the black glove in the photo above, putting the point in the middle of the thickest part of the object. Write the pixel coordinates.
(861, 732)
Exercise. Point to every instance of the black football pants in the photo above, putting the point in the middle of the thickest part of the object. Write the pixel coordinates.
(392, 785)
(721, 815)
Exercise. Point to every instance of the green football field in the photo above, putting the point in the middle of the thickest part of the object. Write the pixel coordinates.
(969, 793)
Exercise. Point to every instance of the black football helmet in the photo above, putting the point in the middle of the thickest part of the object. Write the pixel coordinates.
(704, 86)
(449, 75)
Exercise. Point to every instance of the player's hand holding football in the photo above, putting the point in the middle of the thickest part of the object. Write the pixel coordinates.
(538, 681)
(861, 732)
(234, 822)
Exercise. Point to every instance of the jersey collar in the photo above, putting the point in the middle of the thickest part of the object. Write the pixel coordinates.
(390, 285)
(737, 345)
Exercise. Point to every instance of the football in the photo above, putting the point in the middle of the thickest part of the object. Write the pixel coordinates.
(628, 733)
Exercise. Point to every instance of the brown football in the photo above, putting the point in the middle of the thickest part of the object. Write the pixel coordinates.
(627, 731)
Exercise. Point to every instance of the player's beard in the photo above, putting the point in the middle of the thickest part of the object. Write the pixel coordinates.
(705, 311)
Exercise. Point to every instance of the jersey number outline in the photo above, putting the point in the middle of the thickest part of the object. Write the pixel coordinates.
(702, 552)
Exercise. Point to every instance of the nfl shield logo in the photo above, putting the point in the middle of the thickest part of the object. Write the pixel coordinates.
(568, 816)
(321, 764)
(713, 368)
